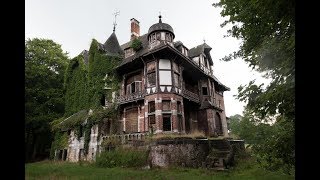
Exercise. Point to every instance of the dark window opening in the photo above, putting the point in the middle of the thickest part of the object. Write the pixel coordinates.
(65, 152)
(103, 100)
(166, 123)
(179, 107)
(133, 87)
(152, 119)
(81, 131)
(152, 107)
(151, 79)
(204, 91)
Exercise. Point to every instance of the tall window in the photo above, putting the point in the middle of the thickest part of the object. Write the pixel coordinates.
(166, 122)
(151, 111)
(165, 72)
(151, 106)
(204, 91)
(176, 75)
(151, 74)
(133, 84)
(179, 107)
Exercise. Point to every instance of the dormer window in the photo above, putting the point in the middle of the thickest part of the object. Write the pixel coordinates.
(128, 52)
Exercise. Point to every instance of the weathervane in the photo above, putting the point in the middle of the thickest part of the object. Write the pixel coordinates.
(115, 19)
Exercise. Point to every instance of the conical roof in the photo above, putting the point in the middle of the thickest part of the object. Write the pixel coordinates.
(112, 46)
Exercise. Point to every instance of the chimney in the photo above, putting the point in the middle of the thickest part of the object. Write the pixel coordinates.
(135, 28)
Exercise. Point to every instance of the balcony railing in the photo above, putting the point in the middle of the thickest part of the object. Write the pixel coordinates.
(130, 97)
(126, 138)
(191, 95)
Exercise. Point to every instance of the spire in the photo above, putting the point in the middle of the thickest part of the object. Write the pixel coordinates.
(115, 20)
(160, 21)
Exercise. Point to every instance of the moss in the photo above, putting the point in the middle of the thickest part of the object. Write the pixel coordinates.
(136, 44)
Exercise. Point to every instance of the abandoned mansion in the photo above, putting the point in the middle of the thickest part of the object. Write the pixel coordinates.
(164, 87)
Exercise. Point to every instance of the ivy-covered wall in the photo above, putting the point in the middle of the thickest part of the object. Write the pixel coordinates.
(84, 90)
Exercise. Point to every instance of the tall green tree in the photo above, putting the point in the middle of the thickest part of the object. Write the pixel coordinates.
(267, 31)
(45, 64)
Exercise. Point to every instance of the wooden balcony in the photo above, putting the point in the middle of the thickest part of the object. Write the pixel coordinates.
(190, 95)
(130, 97)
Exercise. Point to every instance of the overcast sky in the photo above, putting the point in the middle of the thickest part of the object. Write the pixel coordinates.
(74, 23)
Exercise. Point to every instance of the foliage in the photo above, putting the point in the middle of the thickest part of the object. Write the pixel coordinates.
(246, 169)
(101, 65)
(268, 142)
(60, 142)
(122, 158)
(75, 86)
(96, 117)
(267, 31)
(136, 44)
(73, 121)
(84, 86)
(45, 64)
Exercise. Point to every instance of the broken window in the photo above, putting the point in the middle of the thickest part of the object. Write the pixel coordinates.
(152, 119)
(151, 79)
(151, 107)
(151, 67)
(204, 91)
(166, 106)
(166, 122)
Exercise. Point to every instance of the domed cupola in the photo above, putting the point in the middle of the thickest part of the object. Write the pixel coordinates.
(160, 32)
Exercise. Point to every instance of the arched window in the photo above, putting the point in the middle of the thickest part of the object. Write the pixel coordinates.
(218, 124)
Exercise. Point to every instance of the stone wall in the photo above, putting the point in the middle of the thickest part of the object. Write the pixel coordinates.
(189, 153)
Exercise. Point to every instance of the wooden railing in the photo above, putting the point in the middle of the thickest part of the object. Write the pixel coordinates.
(126, 138)
(130, 97)
(191, 95)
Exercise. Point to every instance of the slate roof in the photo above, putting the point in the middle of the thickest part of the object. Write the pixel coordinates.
(112, 47)
(85, 55)
(160, 27)
(203, 48)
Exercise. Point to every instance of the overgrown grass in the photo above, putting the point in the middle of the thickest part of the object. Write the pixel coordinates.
(122, 157)
(193, 135)
(246, 169)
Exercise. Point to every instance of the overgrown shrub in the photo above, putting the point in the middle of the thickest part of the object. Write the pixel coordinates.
(122, 158)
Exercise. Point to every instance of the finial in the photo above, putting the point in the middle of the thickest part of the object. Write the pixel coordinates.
(160, 21)
(115, 20)
(204, 41)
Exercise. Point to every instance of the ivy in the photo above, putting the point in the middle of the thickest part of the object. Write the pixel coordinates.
(60, 142)
(84, 88)
(97, 117)
(136, 44)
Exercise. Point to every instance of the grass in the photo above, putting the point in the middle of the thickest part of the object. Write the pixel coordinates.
(246, 169)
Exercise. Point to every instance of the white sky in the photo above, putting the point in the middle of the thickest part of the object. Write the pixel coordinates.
(74, 23)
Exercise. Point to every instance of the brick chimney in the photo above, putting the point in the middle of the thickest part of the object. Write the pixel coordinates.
(135, 28)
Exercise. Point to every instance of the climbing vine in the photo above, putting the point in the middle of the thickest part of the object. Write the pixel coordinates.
(84, 89)
(136, 44)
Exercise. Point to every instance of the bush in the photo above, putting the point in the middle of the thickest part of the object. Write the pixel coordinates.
(122, 158)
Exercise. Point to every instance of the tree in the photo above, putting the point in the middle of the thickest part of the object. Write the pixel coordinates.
(45, 64)
(267, 31)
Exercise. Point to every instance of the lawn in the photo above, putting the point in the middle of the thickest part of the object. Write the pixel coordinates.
(63, 170)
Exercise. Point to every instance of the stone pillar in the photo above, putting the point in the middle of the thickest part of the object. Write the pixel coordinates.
(210, 118)
(174, 116)
(158, 116)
